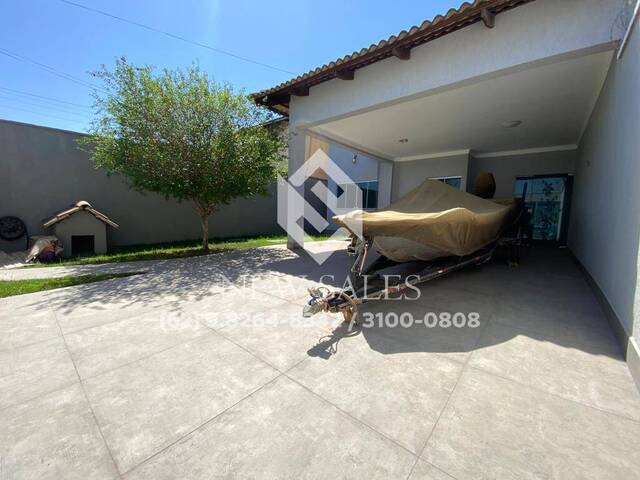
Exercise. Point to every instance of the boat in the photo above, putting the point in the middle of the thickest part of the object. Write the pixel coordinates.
(435, 229)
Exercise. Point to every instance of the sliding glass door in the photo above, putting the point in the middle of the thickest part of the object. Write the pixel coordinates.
(547, 202)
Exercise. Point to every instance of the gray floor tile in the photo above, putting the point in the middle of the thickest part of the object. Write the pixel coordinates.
(101, 302)
(28, 372)
(548, 317)
(399, 395)
(287, 287)
(487, 279)
(53, 437)
(439, 297)
(548, 331)
(587, 371)
(559, 275)
(425, 471)
(426, 334)
(108, 346)
(494, 428)
(27, 326)
(99, 313)
(558, 287)
(145, 406)
(282, 431)
(280, 336)
(235, 305)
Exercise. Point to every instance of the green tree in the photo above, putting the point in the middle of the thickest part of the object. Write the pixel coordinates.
(179, 134)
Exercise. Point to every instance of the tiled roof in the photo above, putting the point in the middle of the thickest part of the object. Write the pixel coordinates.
(277, 98)
(81, 205)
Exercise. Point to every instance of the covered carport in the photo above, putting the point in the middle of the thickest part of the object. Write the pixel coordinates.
(523, 89)
(520, 124)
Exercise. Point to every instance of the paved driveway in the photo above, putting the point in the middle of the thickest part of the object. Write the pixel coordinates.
(204, 368)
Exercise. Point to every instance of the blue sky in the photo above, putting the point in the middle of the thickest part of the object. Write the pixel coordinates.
(293, 35)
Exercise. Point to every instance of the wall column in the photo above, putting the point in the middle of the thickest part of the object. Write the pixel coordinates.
(297, 156)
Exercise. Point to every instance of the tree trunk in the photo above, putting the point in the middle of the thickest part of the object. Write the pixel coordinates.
(204, 220)
(204, 211)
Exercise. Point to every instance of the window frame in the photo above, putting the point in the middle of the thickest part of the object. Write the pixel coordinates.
(342, 194)
(448, 177)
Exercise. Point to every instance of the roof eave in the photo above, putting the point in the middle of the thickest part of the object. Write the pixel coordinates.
(278, 98)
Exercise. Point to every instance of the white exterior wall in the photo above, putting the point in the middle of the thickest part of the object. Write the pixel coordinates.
(534, 32)
(297, 156)
(408, 175)
(365, 168)
(506, 169)
(385, 183)
(605, 227)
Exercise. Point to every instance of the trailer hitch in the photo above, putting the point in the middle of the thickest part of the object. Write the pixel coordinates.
(318, 301)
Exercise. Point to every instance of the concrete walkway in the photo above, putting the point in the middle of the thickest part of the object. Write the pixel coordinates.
(76, 270)
(204, 368)
(145, 266)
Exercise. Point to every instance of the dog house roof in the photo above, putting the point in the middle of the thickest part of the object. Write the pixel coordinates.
(81, 205)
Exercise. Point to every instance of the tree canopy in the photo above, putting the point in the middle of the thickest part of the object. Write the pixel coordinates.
(180, 134)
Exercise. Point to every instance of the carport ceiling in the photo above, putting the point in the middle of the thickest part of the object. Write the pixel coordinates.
(552, 101)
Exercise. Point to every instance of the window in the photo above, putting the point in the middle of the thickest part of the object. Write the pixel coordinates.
(455, 182)
(348, 195)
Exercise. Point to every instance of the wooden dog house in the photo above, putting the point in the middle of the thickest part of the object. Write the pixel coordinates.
(81, 229)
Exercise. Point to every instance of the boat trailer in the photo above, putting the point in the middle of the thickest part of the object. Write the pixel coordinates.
(368, 284)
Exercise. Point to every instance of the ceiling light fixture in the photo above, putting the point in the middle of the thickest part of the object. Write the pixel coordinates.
(511, 123)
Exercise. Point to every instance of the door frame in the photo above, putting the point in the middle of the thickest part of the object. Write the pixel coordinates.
(565, 215)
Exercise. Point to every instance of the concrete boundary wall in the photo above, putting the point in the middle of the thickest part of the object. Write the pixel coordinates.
(43, 171)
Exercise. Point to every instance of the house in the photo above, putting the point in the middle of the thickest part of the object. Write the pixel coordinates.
(541, 92)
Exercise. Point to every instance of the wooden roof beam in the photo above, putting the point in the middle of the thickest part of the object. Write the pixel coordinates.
(488, 17)
(403, 53)
(300, 91)
(278, 99)
(345, 74)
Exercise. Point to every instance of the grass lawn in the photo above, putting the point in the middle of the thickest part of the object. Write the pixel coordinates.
(161, 251)
(9, 288)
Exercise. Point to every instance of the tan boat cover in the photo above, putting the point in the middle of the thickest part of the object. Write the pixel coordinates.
(433, 220)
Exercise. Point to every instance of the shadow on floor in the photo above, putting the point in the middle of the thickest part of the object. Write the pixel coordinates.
(546, 296)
